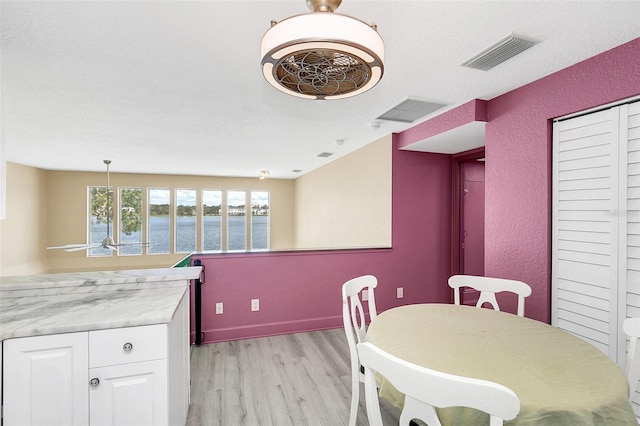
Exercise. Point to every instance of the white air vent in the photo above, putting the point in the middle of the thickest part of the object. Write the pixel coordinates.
(410, 110)
(325, 154)
(498, 53)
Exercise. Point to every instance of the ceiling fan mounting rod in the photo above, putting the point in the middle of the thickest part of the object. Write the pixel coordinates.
(323, 5)
(107, 162)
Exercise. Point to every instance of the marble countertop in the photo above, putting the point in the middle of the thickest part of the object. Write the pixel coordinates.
(42, 304)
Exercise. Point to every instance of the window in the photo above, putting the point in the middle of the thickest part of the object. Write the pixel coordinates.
(186, 220)
(130, 220)
(100, 218)
(159, 225)
(211, 220)
(259, 220)
(177, 219)
(236, 220)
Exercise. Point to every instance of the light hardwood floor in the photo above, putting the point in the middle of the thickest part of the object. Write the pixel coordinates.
(294, 379)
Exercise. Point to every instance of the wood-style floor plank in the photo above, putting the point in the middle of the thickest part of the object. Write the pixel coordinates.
(293, 379)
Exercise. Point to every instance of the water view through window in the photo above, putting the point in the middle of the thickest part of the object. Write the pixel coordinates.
(212, 220)
(159, 224)
(259, 220)
(186, 220)
(236, 220)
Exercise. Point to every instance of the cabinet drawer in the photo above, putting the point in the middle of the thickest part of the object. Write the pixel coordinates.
(125, 345)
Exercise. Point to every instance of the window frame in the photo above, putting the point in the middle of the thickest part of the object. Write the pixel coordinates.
(148, 216)
(202, 216)
(119, 219)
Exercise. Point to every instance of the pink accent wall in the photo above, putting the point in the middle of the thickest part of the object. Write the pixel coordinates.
(301, 291)
(518, 165)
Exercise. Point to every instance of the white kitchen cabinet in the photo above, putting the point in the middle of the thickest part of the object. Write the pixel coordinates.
(116, 376)
(45, 380)
(129, 394)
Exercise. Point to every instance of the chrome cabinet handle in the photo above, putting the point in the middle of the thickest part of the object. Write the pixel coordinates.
(94, 382)
(127, 347)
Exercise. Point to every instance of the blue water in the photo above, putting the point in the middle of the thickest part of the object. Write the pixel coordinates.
(159, 235)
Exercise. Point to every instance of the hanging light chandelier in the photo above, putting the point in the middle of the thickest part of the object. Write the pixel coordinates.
(322, 54)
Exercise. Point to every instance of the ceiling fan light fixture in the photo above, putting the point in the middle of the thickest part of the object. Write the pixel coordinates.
(322, 55)
(107, 242)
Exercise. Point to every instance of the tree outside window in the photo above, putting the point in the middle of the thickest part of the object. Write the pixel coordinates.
(130, 221)
(100, 218)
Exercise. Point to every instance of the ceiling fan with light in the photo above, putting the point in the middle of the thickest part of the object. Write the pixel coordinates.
(108, 241)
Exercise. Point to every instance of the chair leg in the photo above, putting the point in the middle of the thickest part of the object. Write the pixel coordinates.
(355, 396)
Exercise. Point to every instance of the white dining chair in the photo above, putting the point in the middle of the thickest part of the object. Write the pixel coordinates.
(355, 328)
(631, 327)
(426, 389)
(488, 288)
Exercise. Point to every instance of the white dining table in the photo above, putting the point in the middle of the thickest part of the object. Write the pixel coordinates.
(559, 378)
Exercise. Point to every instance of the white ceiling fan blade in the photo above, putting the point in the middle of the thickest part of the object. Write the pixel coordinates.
(70, 246)
(85, 247)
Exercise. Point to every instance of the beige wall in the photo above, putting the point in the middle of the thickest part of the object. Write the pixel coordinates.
(23, 230)
(48, 208)
(67, 218)
(347, 203)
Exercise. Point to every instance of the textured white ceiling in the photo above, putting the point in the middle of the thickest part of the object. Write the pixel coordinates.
(176, 87)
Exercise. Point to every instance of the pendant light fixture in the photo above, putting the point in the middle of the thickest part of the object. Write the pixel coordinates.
(322, 54)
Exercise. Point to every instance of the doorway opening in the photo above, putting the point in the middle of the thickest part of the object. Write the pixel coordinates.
(467, 245)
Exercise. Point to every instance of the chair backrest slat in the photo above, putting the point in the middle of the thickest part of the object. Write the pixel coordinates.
(488, 287)
(354, 321)
(426, 389)
(631, 327)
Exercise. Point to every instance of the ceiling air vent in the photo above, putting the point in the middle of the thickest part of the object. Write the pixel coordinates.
(325, 154)
(498, 53)
(410, 110)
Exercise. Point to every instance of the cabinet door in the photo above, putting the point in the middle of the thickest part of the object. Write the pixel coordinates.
(129, 394)
(178, 364)
(46, 380)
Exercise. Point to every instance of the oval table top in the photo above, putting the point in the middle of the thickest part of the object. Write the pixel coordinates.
(559, 378)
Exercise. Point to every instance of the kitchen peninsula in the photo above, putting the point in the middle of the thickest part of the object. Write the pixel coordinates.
(96, 347)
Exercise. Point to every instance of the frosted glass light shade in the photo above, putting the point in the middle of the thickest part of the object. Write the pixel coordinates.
(322, 55)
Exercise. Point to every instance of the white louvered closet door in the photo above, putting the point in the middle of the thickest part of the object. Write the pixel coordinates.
(596, 227)
(585, 228)
(632, 277)
(630, 281)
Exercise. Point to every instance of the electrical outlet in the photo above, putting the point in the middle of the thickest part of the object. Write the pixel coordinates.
(399, 293)
(365, 294)
(255, 305)
(219, 308)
